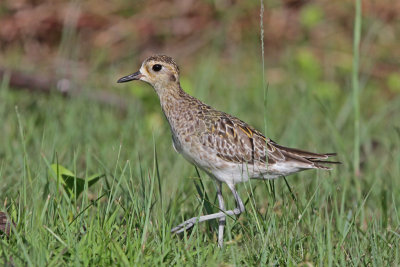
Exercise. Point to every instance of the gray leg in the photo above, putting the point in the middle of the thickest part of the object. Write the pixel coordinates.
(222, 220)
(239, 202)
(189, 223)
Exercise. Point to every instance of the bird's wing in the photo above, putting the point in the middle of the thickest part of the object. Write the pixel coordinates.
(235, 141)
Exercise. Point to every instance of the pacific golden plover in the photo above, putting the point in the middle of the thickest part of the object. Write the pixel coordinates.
(225, 147)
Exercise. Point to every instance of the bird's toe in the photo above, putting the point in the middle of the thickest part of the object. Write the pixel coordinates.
(186, 225)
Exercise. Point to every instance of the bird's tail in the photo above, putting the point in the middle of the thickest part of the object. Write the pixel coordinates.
(316, 160)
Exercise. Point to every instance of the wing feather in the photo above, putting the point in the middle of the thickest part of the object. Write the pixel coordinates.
(235, 141)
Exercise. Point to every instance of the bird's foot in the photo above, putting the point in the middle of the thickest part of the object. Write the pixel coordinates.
(186, 225)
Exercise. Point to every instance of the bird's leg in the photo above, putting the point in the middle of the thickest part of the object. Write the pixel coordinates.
(189, 223)
(222, 220)
(239, 202)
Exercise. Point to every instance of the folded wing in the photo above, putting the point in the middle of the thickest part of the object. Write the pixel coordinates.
(235, 141)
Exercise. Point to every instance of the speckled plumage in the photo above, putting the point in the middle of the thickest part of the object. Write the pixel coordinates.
(227, 148)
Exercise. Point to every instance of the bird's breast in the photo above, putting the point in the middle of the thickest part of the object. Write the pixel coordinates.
(176, 144)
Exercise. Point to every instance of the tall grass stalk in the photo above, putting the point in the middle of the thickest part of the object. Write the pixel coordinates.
(264, 85)
(356, 87)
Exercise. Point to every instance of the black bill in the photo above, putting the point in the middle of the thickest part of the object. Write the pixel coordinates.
(134, 76)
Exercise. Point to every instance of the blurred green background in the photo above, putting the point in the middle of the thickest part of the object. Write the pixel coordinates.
(59, 103)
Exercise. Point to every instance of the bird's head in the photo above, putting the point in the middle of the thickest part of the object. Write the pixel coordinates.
(160, 71)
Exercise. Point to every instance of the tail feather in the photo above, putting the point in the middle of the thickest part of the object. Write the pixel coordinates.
(305, 154)
(319, 164)
(326, 162)
(309, 159)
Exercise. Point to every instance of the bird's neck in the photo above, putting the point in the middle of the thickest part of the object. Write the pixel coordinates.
(171, 98)
(175, 104)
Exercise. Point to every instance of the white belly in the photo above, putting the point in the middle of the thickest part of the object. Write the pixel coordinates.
(218, 168)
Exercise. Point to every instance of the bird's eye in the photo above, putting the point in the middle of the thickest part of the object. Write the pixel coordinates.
(157, 67)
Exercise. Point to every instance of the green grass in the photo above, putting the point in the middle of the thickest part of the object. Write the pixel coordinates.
(126, 217)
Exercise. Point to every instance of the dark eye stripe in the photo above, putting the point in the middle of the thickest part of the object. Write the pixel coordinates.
(157, 67)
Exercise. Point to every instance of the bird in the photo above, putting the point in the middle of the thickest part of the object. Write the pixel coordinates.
(228, 149)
